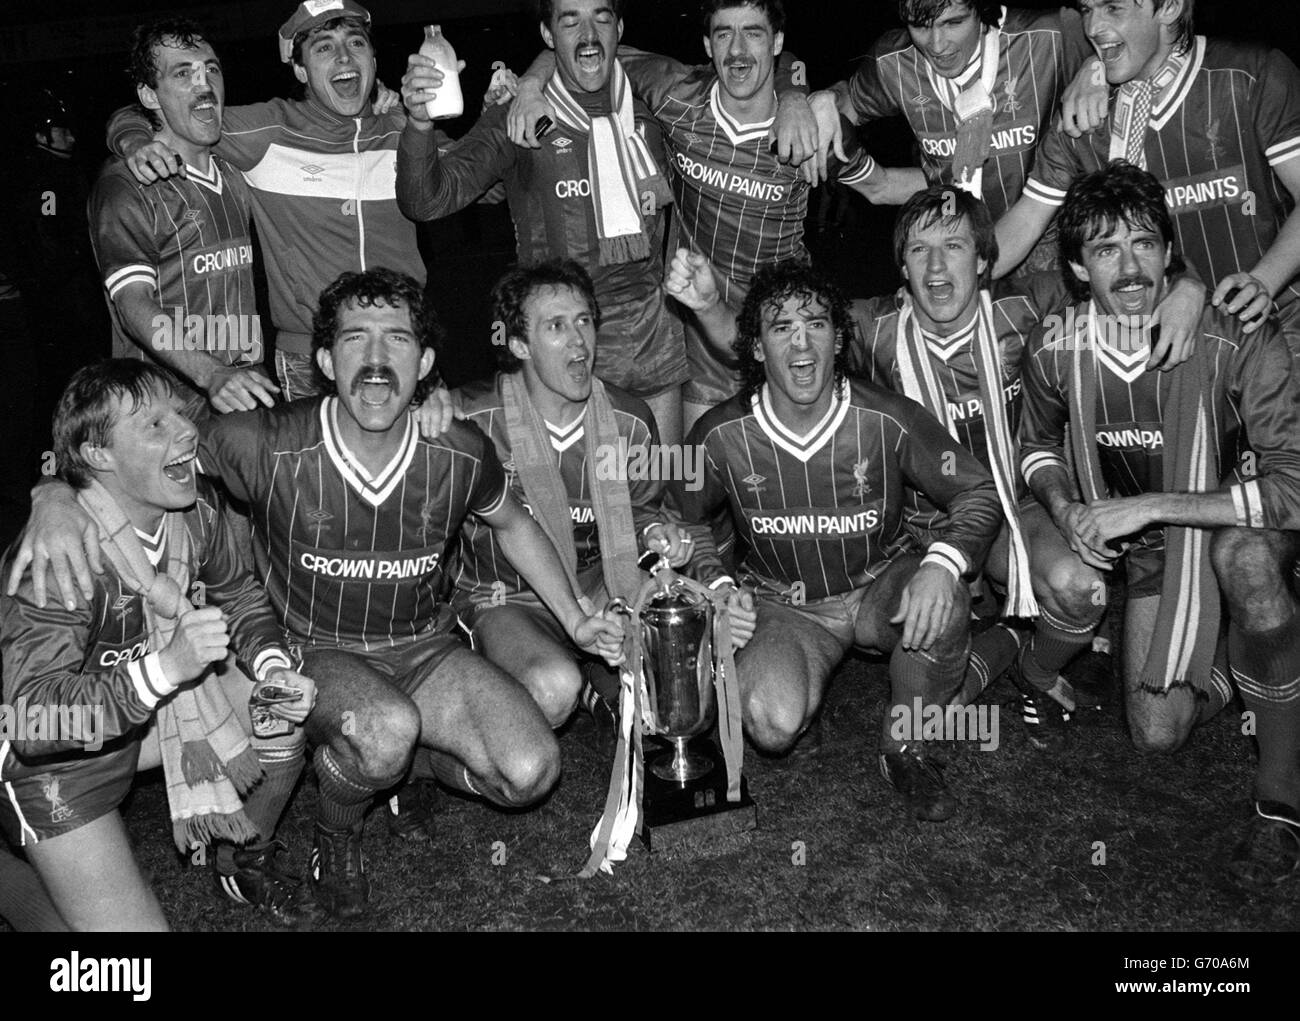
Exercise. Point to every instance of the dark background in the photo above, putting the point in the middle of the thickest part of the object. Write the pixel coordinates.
(78, 53)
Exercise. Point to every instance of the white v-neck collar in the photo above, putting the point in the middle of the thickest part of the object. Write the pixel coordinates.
(806, 446)
(735, 131)
(374, 489)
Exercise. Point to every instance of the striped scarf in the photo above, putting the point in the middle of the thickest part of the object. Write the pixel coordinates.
(534, 458)
(1134, 104)
(1187, 623)
(207, 759)
(919, 383)
(626, 183)
(973, 108)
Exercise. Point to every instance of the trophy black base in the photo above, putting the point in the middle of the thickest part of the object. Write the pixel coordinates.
(697, 811)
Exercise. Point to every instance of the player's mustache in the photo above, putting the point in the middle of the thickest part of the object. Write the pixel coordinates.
(373, 373)
(204, 97)
(1143, 281)
(588, 44)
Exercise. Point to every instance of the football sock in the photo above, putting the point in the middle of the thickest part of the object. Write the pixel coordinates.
(915, 674)
(24, 904)
(1053, 645)
(1266, 666)
(455, 774)
(344, 795)
(264, 806)
(992, 653)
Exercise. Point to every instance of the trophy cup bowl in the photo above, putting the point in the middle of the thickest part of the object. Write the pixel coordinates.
(677, 629)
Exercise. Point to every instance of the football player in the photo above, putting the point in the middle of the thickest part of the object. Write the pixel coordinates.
(814, 468)
(561, 433)
(123, 444)
(176, 259)
(1218, 123)
(1189, 478)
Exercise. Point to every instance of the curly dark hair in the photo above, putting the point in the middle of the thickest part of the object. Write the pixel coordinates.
(1096, 204)
(512, 292)
(774, 9)
(921, 13)
(179, 32)
(948, 205)
(773, 286)
(376, 287)
(86, 410)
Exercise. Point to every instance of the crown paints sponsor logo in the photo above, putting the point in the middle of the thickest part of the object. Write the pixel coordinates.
(370, 567)
(727, 180)
(812, 524)
(75, 974)
(1132, 438)
(1222, 187)
(1004, 140)
(66, 724)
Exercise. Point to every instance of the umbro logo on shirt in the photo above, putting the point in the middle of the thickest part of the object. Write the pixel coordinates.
(192, 215)
(754, 481)
(312, 171)
(562, 144)
(920, 99)
(319, 515)
(120, 604)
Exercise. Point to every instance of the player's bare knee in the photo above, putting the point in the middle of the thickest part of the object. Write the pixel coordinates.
(1248, 564)
(1160, 724)
(1074, 592)
(531, 773)
(385, 735)
(554, 685)
(773, 723)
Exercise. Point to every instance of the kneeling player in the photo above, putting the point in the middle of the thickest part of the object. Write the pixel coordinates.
(954, 342)
(814, 466)
(126, 665)
(571, 443)
(1149, 450)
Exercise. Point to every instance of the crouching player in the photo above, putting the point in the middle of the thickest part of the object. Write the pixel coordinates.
(954, 341)
(813, 467)
(571, 444)
(127, 664)
(1149, 451)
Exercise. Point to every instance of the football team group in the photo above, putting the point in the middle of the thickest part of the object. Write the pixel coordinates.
(1079, 404)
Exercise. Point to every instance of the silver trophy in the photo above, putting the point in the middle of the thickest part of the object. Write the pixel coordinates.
(677, 636)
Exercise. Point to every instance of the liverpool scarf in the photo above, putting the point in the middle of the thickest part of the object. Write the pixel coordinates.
(919, 383)
(1133, 105)
(207, 759)
(973, 108)
(1187, 623)
(530, 448)
(621, 168)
